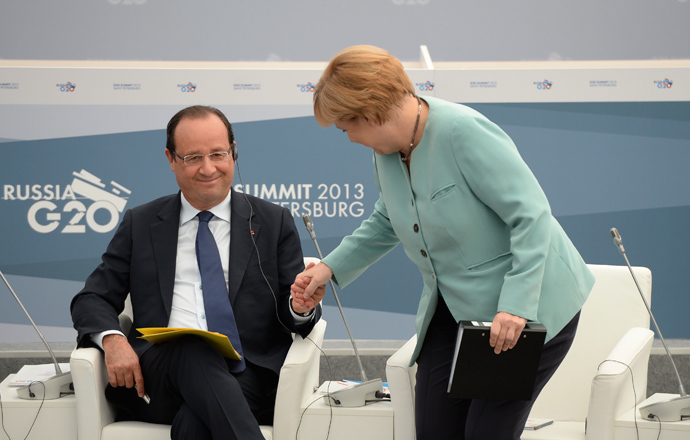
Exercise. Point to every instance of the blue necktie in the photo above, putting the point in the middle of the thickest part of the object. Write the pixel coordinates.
(219, 315)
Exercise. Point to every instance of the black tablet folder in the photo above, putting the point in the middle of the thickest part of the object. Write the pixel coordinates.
(479, 373)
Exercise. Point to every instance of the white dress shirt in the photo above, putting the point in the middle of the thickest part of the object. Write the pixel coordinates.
(188, 300)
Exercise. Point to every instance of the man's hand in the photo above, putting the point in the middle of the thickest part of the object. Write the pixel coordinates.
(310, 286)
(122, 364)
(505, 331)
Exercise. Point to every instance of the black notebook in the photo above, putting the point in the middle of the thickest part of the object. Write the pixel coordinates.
(479, 373)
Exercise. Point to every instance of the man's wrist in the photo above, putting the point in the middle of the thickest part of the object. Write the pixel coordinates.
(97, 338)
(302, 314)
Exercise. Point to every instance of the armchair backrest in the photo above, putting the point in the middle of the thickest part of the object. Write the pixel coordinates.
(126, 316)
(614, 306)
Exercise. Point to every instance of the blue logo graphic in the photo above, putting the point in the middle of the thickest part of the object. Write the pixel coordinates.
(69, 87)
(665, 84)
(187, 88)
(544, 85)
(306, 88)
(427, 86)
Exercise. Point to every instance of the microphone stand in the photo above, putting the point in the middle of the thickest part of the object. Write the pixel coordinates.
(360, 393)
(54, 385)
(671, 410)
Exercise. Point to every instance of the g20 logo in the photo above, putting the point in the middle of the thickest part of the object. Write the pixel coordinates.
(102, 215)
(306, 88)
(427, 86)
(187, 88)
(76, 214)
(69, 87)
(544, 85)
(665, 84)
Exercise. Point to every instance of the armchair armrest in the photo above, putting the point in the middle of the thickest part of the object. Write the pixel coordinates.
(299, 377)
(620, 383)
(90, 378)
(401, 381)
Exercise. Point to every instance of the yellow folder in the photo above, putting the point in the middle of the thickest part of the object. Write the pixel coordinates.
(216, 340)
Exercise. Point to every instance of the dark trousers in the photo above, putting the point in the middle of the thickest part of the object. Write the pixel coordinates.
(191, 389)
(439, 417)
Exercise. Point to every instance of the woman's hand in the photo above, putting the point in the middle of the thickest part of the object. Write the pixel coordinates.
(505, 331)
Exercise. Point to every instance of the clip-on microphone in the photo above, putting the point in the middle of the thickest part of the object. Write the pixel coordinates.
(671, 410)
(358, 394)
(53, 386)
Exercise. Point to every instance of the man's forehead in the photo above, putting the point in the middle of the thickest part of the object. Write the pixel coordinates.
(189, 123)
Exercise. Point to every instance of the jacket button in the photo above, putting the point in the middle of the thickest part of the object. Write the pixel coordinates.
(416, 228)
(423, 252)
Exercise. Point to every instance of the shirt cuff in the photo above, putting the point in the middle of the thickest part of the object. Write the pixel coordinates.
(97, 338)
(299, 319)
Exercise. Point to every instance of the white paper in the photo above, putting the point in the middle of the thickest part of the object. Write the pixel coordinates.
(36, 373)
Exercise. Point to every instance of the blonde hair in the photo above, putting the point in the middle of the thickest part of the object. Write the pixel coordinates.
(361, 81)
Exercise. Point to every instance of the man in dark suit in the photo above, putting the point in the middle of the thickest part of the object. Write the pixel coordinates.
(152, 257)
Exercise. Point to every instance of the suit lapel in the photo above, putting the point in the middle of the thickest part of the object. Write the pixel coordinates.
(241, 243)
(164, 241)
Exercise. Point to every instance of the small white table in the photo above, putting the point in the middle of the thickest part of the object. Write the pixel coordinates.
(649, 430)
(370, 422)
(57, 418)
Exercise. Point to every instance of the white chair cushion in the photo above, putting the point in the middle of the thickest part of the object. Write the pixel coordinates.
(150, 431)
(135, 431)
(557, 431)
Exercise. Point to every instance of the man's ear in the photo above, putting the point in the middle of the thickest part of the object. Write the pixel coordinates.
(171, 159)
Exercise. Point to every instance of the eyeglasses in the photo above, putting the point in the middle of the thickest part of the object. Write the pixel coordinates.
(198, 159)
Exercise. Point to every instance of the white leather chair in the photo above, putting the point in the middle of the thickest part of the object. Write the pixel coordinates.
(603, 376)
(299, 377)
(401, 381)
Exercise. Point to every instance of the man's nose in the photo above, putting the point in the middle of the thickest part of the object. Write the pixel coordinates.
(207, 165)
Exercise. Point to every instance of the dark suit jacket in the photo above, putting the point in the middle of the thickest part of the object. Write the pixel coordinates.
(140, 261)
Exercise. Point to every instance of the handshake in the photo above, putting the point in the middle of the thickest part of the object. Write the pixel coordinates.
(309, 287)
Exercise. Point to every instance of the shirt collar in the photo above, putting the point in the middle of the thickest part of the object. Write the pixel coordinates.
(221, 210)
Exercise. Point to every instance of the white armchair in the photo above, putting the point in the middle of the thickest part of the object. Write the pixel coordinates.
(594, 384)
(299, 377)
(401, 381)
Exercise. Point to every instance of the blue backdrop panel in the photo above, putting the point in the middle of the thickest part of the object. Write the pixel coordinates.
(602, 165)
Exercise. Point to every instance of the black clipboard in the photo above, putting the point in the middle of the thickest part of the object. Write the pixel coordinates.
(479, 373)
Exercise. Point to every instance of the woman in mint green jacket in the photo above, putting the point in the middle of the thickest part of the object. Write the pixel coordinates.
(469, 213)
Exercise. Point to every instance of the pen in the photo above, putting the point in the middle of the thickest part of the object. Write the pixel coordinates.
(146, 397)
